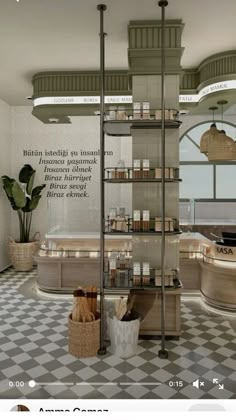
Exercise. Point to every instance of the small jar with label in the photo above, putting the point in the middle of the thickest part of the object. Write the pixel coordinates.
(112, 112)
(146, 273)
(112, 270)
(137, 169)
(137, 221)
(146, 110)
(112, 217)
(146, 168)
(146, 220)
(122, 261)
(137, 110)
(121, 113)
(136, 274)
(121, 171)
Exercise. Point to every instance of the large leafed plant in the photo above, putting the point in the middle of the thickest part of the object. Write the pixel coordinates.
(23, 197)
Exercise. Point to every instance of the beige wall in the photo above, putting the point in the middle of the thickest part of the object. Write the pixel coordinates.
(73, 214)
(5, 168)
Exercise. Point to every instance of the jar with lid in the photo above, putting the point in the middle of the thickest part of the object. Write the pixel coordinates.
(136, 274)
(146, 273)
(146, 168)
(136, 221)
(137, 169)
(146, 220)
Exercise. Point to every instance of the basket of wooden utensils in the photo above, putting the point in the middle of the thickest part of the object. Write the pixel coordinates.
(123, 328)
(84, 323)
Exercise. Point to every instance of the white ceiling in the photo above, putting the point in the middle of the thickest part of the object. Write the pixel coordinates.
(41, 35)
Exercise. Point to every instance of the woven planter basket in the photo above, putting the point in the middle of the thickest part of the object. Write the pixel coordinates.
(21, 254)
(84, 338)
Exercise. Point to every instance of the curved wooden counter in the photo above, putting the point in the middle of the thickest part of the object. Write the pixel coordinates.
(218, 286)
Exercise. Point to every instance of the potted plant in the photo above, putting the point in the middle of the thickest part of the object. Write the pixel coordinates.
(24, 198)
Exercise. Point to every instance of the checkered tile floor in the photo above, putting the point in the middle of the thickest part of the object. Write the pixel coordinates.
(33, 343)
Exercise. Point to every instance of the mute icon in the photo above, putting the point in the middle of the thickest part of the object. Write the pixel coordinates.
(196, 383)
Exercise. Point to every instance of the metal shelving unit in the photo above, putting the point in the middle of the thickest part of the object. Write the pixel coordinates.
(119, 128)
(123, 128)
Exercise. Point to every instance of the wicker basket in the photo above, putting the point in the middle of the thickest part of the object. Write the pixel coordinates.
(21, 254)
(84, 338)
(221, 147)
(207, 138)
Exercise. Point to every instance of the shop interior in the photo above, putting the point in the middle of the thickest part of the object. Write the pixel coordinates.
(117, 200)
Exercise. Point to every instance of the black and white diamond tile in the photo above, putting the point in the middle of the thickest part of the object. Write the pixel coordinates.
(33, 344)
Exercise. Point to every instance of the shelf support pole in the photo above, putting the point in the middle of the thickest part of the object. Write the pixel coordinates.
(163, 353)
(101, 8)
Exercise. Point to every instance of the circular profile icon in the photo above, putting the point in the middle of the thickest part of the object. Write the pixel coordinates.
(20, 407)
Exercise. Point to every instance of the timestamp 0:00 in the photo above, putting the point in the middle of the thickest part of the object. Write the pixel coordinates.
(16, 384)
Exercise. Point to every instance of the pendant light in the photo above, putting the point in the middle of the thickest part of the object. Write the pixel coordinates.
(212, 131)
(221, 147)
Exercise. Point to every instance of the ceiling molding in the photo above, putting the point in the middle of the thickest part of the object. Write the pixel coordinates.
(216, 68)
(145, 49)
(67, 83)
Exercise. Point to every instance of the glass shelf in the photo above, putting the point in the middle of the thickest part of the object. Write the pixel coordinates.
(121, 128)
(126, 225)
(133, 175)
(126, 175)
(134, 180)
(141, 233)
(150, 286)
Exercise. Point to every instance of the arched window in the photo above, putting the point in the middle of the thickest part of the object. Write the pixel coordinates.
(209, 185)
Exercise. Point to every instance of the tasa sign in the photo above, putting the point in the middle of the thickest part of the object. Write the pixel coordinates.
(224, 250)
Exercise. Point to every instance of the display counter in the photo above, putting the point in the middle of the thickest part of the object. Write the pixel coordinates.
(191, 244)
(218, 275)
(68, 261)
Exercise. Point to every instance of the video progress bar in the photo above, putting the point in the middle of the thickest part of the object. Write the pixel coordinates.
(33, 384)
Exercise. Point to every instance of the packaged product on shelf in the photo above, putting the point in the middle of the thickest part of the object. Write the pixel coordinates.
(119, 224)
(122, 211)
(112, 112)
(167, 114)
(146, 168)
(137, 110)
(112, 269)
(146, 220)
(122, 261)
(173, 114)
(146, 273)
(122, 278)
(169, 224)
(121, 113)
(169, 173)
(112, 215)
(158, 114)
(137, 169)
(121, 171)
(137, 221)
(146, 110)
(136, 274)
(169, 277)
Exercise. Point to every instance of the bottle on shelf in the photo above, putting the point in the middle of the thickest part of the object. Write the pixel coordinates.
(137, 169)
(136, 274)
(137, 221)
(146, 168)
(146, 220)
(146, 273)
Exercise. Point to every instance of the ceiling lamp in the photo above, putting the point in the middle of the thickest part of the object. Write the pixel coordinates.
(212, 131)
(221, 147)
